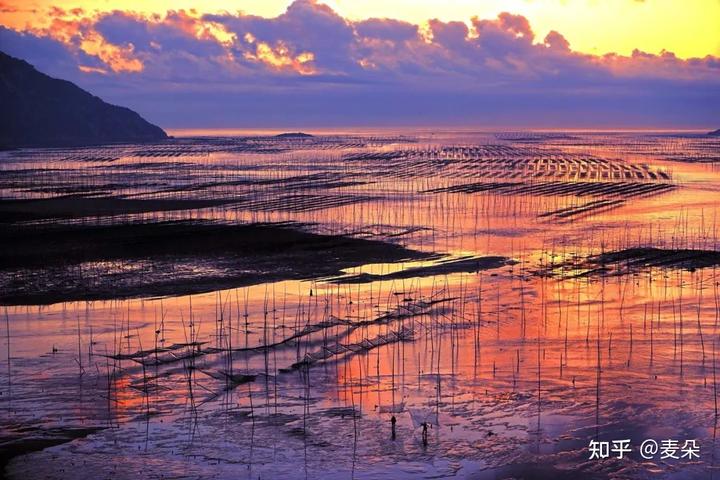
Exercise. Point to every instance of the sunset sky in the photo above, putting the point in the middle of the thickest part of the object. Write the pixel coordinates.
(511, 63)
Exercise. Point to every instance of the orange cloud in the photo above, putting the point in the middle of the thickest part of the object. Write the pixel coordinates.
(77, 31)
(193, 25)
(280, 57)
(88, 69)
(118, 58)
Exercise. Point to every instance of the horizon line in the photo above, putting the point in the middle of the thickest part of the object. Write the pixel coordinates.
(402, 129)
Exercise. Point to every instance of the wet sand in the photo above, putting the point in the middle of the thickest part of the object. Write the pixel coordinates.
(520, 294)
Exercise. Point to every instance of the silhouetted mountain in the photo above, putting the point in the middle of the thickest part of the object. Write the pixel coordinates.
(715, 133)
(41, 111)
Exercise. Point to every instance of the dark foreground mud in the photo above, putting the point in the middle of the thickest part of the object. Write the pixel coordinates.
(633, 260)
(76, 206)
(29, 439)
(48, 264)
(443, 267)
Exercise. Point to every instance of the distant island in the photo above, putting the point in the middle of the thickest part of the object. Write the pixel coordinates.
(294, 135)
(41, 111)
(715, 133)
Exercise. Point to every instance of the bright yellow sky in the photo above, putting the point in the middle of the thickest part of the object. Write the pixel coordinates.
(690, 28)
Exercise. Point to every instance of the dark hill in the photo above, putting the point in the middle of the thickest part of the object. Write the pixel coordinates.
(715, 133)
(41, 111)
(294, 135)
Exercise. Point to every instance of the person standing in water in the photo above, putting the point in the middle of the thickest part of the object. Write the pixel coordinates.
(393, 421)
(424, 434)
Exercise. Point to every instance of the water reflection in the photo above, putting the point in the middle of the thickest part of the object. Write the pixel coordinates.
(514, 368)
